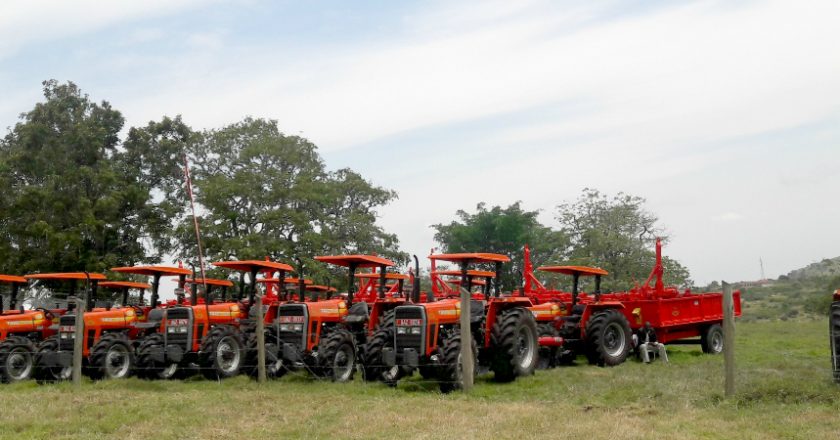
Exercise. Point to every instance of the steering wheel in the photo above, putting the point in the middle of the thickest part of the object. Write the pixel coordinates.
(47, 314)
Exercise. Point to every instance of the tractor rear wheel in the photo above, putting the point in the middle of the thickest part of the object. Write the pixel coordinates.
(17, 359)
(514, 342)
(712, 339)
(146, 368)
(111, 357)
(221, 353)
(834, 333)
(337, 356)
(44, 373)
(548, 355)
(608, 338)
(274, 368)
(450, 373)
(373, 366)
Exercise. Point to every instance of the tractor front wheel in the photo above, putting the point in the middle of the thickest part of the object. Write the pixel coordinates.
(548, 355)
(337, 356)
(712, 339)
(221, 353)
(274, 368)
(451, 370)
(146, 368)
(111, 357)
(608, 338)
(46, 373)
(373, 366)
(16, 359)
(514, 342)
(834, 334)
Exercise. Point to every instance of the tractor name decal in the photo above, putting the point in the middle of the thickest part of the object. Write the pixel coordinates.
(177, 322)
(19, 322)
(409, 322)
(449, 312)
(329, 311)
(222, 314)
(112, 319)
(290, 319)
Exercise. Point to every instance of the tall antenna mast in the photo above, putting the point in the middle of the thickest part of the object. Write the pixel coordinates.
(197, 234)
(761, 262)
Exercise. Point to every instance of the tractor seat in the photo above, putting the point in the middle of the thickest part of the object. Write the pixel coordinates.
(358, 313)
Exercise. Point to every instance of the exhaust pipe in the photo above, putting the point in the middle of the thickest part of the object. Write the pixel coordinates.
(415, 288)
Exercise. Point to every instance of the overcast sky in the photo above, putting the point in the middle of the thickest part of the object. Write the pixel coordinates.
(724, 115)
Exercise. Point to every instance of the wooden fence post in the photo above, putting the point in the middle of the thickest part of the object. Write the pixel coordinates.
(260, 341)
(78, 341)
(467, 362)
(728, 340)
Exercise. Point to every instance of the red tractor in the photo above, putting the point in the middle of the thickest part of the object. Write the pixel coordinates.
(834, 335)
(185, 335)
(107, 351)
(427, 336)
(20, 330)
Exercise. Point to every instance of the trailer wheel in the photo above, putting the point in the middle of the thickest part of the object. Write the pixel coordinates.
(547, 355)
(337, 356)
(111, 358)
(450, 374)
(373, 366)
(608, 338)
(44, 373)
(274, 368)
(221, 353)
(16, 359)
(712, 339)
(834, 333)
(514, 342)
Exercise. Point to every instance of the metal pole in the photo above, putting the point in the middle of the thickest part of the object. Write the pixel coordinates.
(260, 341)
(728, 340)
(78, 336)
(467, 362)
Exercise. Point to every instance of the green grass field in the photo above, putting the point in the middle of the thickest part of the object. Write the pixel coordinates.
(784, 392)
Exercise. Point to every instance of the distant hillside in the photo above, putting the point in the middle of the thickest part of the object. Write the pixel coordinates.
(828, 268)
(804, 292)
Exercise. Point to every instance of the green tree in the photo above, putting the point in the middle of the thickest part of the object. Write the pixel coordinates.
(263, 193)
(68, 203)
(504, 231)
(617, 234)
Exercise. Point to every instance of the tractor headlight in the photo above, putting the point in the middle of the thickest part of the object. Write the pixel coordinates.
(416, 330)
(402, 330)
(285, 328)
(297, 327)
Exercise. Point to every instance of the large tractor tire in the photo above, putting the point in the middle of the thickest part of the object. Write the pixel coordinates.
(337, 356)
(711, 340)
(834, 334)
(548, 355)
(221, 353)
(608, 338)
(514, 342)
(111, 358)
(450, 374)
(274, 368)
(17, 359)
(44, 373)
(146, 368)
(373, 365)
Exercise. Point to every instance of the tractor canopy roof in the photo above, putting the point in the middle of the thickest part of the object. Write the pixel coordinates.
(306, 281)
(357, 260)
(388, 276)
(572, 270)
(474, 257)
(123, 284)
(471, 273)
(12, 279)
(210, 282)
(153, 270)
(248, 265)
(65, 276)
